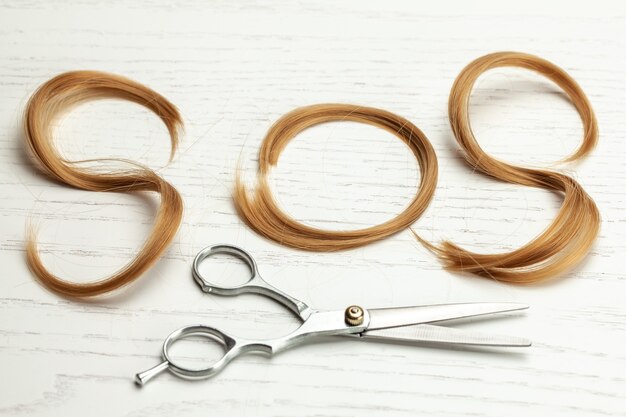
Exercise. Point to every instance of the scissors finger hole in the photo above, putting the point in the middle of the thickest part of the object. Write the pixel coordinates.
(224, 268)
(196, 351)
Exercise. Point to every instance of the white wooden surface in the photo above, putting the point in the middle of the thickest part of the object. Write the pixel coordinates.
(235, 67)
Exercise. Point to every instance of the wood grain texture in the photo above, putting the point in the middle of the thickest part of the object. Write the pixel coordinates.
(233, 68)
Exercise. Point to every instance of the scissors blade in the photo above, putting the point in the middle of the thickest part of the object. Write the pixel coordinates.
(384, 318)
(438, 334)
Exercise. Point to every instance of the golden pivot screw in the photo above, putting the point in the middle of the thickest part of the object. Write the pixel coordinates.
(354, 315)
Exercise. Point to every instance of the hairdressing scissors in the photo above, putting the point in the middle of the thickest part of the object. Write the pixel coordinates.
(403, 324)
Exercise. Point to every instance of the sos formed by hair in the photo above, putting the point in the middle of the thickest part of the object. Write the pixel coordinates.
(48, 103)
(261, 212)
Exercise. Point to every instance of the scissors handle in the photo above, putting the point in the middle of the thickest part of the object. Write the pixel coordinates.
(255, 283)
(232, 348)
(319, 324)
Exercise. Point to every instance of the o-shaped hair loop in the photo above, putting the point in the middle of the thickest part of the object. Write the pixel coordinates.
(261, 212)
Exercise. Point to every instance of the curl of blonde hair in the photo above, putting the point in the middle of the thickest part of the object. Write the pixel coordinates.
(570, 236)
(260, 211)
(48, 103)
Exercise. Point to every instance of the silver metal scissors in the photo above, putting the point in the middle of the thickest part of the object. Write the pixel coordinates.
(403, 324)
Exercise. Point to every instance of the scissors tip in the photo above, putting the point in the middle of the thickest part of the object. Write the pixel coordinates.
(143, 377)
(139, 380)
